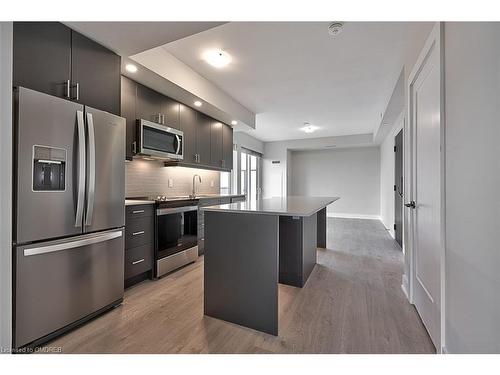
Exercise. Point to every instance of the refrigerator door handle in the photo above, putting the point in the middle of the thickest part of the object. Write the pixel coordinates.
(81, 169)
(73, 244)
(91, 176)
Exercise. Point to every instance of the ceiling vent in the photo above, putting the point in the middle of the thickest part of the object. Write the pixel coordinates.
(335, 28)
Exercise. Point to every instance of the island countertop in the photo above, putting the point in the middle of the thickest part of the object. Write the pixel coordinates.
(283, 206)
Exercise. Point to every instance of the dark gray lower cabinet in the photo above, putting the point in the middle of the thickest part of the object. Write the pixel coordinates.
(139, 243)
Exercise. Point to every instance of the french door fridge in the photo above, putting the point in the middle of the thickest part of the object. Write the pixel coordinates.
(69, 214)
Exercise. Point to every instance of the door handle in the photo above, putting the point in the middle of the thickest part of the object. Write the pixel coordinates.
(178, 140)
(91, 177)
(81, 169)
(410, 205)
(73, 244)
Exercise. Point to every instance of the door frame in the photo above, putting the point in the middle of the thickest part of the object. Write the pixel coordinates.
(400, 129)
(435, 40)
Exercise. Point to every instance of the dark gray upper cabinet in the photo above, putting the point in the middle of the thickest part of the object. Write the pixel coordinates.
(149, 103)
(170, 111)
(188, 122)
(48, 55)
(227, 147)
(208, 143)
(203, 138)
(42, 57)
(95, 74)
(128, 96)
(216, 144)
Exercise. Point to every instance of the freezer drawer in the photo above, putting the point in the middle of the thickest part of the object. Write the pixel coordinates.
(60, 282)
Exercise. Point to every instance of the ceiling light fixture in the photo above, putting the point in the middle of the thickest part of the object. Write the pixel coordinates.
(197, 103)
(234, 122)
(217, 58)
(131, 68)
(308, 128)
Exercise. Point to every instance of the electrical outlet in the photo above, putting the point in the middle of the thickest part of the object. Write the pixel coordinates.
(170, 182)
(212, 183)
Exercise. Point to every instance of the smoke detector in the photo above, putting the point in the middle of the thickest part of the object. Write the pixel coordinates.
(335, 28)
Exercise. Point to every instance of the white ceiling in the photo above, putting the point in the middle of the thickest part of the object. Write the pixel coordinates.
(129, 38)
(289, 73)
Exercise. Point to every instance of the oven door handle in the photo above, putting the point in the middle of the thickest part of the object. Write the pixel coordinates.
(174, 210)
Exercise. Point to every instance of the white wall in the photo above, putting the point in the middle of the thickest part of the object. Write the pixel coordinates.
(275, 176)
(5, 184)
(387, 166)
(350, 173)
(472, 86)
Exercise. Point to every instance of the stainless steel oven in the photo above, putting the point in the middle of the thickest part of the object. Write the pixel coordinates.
(159, 141)
(177, 235)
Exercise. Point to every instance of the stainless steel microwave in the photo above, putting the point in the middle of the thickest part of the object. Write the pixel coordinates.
(159, 141)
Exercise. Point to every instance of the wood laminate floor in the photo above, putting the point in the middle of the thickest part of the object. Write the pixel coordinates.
(352, 303)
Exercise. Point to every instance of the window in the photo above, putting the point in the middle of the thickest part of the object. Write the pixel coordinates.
(225, 182)
(243, 172)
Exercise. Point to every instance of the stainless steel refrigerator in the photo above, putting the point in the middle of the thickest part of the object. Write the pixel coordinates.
(69, 214)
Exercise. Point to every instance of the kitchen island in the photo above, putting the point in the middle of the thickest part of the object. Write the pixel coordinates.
(252, 246)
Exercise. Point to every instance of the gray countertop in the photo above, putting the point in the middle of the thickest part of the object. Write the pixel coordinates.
(285, 206)
(133, 202)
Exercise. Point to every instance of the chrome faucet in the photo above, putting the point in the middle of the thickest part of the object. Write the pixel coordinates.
(193, 195)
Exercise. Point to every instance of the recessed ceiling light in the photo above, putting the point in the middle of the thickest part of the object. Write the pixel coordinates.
(234, 122)
(308, 128)
(131, 68)
(217, 58)
(197, 103)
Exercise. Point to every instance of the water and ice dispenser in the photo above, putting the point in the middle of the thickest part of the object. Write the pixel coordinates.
(49, 168)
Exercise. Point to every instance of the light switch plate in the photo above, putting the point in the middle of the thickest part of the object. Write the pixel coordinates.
(170, 182)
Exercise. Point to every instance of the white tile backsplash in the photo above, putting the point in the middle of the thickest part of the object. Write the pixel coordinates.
(149, 178)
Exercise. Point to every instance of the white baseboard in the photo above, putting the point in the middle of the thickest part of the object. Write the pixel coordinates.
(353, 216)
(404, 286)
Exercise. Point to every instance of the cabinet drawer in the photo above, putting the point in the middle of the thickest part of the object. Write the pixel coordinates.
(137, 211)
(139, 232)
(138, 260)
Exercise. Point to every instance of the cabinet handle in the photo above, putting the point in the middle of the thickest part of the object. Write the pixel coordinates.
(68, 89)
(77, 86)
(134, 147)
(137, 233)
(138, 212)
(138, 261)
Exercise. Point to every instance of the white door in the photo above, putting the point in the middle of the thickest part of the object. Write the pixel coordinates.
(425, 107)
